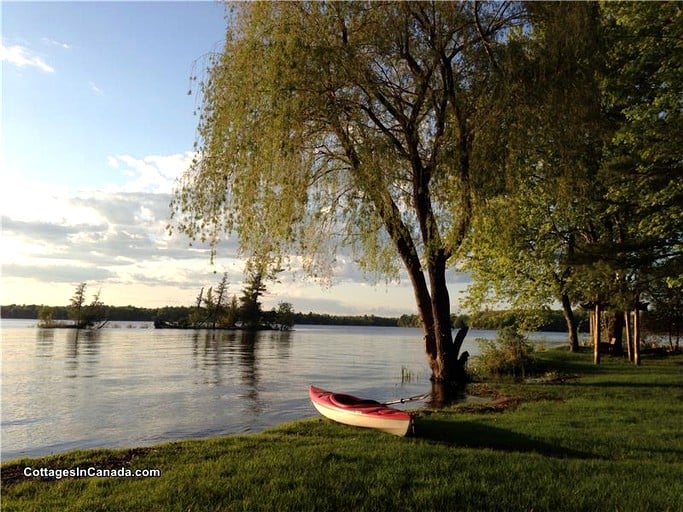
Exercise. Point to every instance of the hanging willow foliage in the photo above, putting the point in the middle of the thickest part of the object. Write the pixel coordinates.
(368, 125)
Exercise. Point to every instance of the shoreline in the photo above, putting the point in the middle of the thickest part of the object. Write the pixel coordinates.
(556, 444)
(481, 397)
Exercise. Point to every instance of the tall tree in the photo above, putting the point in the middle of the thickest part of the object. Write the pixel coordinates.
(255, 287)
(643, 165)
(197, 316)
(599, 197)
(86, 315)
(284, 316)
(352, 123)
(524, 240)
(77, 305)
(221, 299)
(643, 88)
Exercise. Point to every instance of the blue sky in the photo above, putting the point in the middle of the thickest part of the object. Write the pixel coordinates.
(96, 125)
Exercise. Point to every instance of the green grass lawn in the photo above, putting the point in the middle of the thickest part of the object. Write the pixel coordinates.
(607, 438)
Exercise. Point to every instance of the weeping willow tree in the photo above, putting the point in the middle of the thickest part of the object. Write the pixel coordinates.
(361, 125)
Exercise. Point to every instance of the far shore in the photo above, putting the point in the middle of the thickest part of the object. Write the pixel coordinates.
(491, 320)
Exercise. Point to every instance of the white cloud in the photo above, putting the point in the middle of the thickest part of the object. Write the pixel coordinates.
(155, 174)
(55, 236)
(30, 200)
(22, 57)
(66, 46)
(95, 89)
(112, 162)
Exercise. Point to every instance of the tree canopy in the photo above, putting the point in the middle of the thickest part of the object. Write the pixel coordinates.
(425, 134)
(596, 212)
(352, 124)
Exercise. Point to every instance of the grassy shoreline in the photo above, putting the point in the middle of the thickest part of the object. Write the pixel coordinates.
(609, 438)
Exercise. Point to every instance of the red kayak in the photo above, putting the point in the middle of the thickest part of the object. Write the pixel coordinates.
(359, 412)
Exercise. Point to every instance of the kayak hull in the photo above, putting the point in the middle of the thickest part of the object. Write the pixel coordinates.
(357, 412)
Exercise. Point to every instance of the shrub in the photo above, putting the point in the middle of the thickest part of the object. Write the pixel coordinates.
(510, 354)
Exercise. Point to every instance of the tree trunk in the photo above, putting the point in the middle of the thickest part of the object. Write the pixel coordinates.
(434, 312)
(636, 335)
(591, 321)
(433, 306)
(446, 353)
(571, 323)
(424, 311)
(629, 338)
(596, 333)
(615, 328)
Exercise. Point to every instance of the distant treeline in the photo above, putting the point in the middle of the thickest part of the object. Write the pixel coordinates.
(111, 313)
(178, 313)
(491, 320)
(324, 319)
(550, 321)
(488, 320)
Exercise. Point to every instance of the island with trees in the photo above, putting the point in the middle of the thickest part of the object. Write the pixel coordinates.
(214, 309)
(83, 315)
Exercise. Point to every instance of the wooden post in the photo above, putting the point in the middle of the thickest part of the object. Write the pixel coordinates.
(627, 325)
(591, 322)
(636, 336)
(596, 339)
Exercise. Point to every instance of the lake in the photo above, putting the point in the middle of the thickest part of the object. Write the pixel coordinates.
(132, 385)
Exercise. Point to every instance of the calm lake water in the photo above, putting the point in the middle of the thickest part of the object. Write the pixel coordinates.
(132, 385)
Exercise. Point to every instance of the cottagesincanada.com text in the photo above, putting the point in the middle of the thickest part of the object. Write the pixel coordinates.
(90, 472)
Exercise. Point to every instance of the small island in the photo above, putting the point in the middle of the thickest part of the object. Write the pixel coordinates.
(214, 310)
(81, 314)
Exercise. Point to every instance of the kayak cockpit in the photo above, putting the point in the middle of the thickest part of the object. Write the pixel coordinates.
(349, 401)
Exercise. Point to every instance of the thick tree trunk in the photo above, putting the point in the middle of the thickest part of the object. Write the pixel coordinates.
(424, 310)
(443, 354)
(433, 309)
(571, 323)
(615, 328)
(446, 356)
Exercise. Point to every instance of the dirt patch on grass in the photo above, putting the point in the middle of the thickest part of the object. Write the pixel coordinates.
(483, 398)
(490, 405)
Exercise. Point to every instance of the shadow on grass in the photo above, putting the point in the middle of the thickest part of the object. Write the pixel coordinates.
(628, 385)
(472, 434)
(563, 362)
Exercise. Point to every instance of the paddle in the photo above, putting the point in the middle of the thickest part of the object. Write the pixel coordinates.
(410, 399)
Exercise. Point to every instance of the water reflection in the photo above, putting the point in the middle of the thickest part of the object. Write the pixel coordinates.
(283, 344)
(82, 346)
(240, 364)
(128, 387)
(45, 340)
(221, 352)
(214, 352)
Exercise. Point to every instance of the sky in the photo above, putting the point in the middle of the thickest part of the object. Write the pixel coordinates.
(98, 121)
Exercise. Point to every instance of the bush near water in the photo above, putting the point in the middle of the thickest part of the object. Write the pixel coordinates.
(510, 353)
